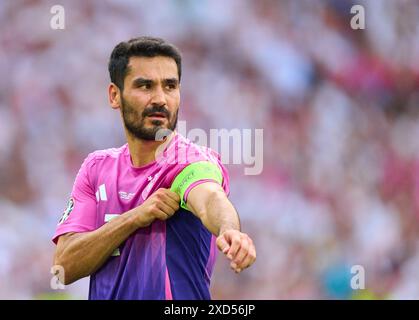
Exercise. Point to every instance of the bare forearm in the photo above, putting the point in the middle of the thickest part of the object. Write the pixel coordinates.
(219, 214)
(209, 202)
(86, 252)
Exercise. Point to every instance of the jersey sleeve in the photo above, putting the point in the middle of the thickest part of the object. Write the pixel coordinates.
(197, 173)
(80, 213)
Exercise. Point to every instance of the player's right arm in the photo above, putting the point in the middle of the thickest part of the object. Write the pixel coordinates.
(82, 253)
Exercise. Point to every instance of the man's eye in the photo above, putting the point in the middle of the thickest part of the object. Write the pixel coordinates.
(144, 86)
(171, 86)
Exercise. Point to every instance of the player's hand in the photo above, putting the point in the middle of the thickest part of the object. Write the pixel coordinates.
(238, 247)
(162, 204)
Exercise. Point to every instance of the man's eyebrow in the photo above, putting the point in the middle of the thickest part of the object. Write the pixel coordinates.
(142, 81)
(171, 81)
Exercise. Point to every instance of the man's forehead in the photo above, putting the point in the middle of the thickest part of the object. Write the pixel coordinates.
(152, 67)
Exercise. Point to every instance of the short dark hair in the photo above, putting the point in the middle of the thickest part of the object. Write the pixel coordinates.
(139, 47)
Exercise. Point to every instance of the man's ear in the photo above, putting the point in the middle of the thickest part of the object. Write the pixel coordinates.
(114, 96)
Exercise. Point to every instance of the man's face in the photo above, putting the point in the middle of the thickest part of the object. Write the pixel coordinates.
(151, 96)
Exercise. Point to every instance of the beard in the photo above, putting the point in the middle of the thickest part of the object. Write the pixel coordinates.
(135, 123)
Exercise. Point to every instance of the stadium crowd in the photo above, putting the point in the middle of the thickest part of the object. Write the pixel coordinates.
(339, 109)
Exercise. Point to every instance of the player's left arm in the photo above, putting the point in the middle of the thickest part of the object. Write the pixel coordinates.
(210, 204)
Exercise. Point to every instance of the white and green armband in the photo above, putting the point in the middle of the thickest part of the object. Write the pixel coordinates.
(203, 170)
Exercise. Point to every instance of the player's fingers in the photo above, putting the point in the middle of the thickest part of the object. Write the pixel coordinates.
(234, 246)
(160, 214)
(164, 194)
(222, 244)
(166, 209)
(249, 259)
(246, 263)
(241, 254)
(172, 195)
(172, 203)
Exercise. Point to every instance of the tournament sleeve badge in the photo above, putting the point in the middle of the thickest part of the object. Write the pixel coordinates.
(67, 211)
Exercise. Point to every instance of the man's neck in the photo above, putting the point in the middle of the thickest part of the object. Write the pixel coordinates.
(143, 152)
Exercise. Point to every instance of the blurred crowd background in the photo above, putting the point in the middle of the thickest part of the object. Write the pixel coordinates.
(339, 109)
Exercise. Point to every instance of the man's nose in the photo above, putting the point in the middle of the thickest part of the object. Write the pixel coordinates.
(158, 97)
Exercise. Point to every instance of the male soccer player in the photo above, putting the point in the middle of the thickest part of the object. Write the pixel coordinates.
(144, 220)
